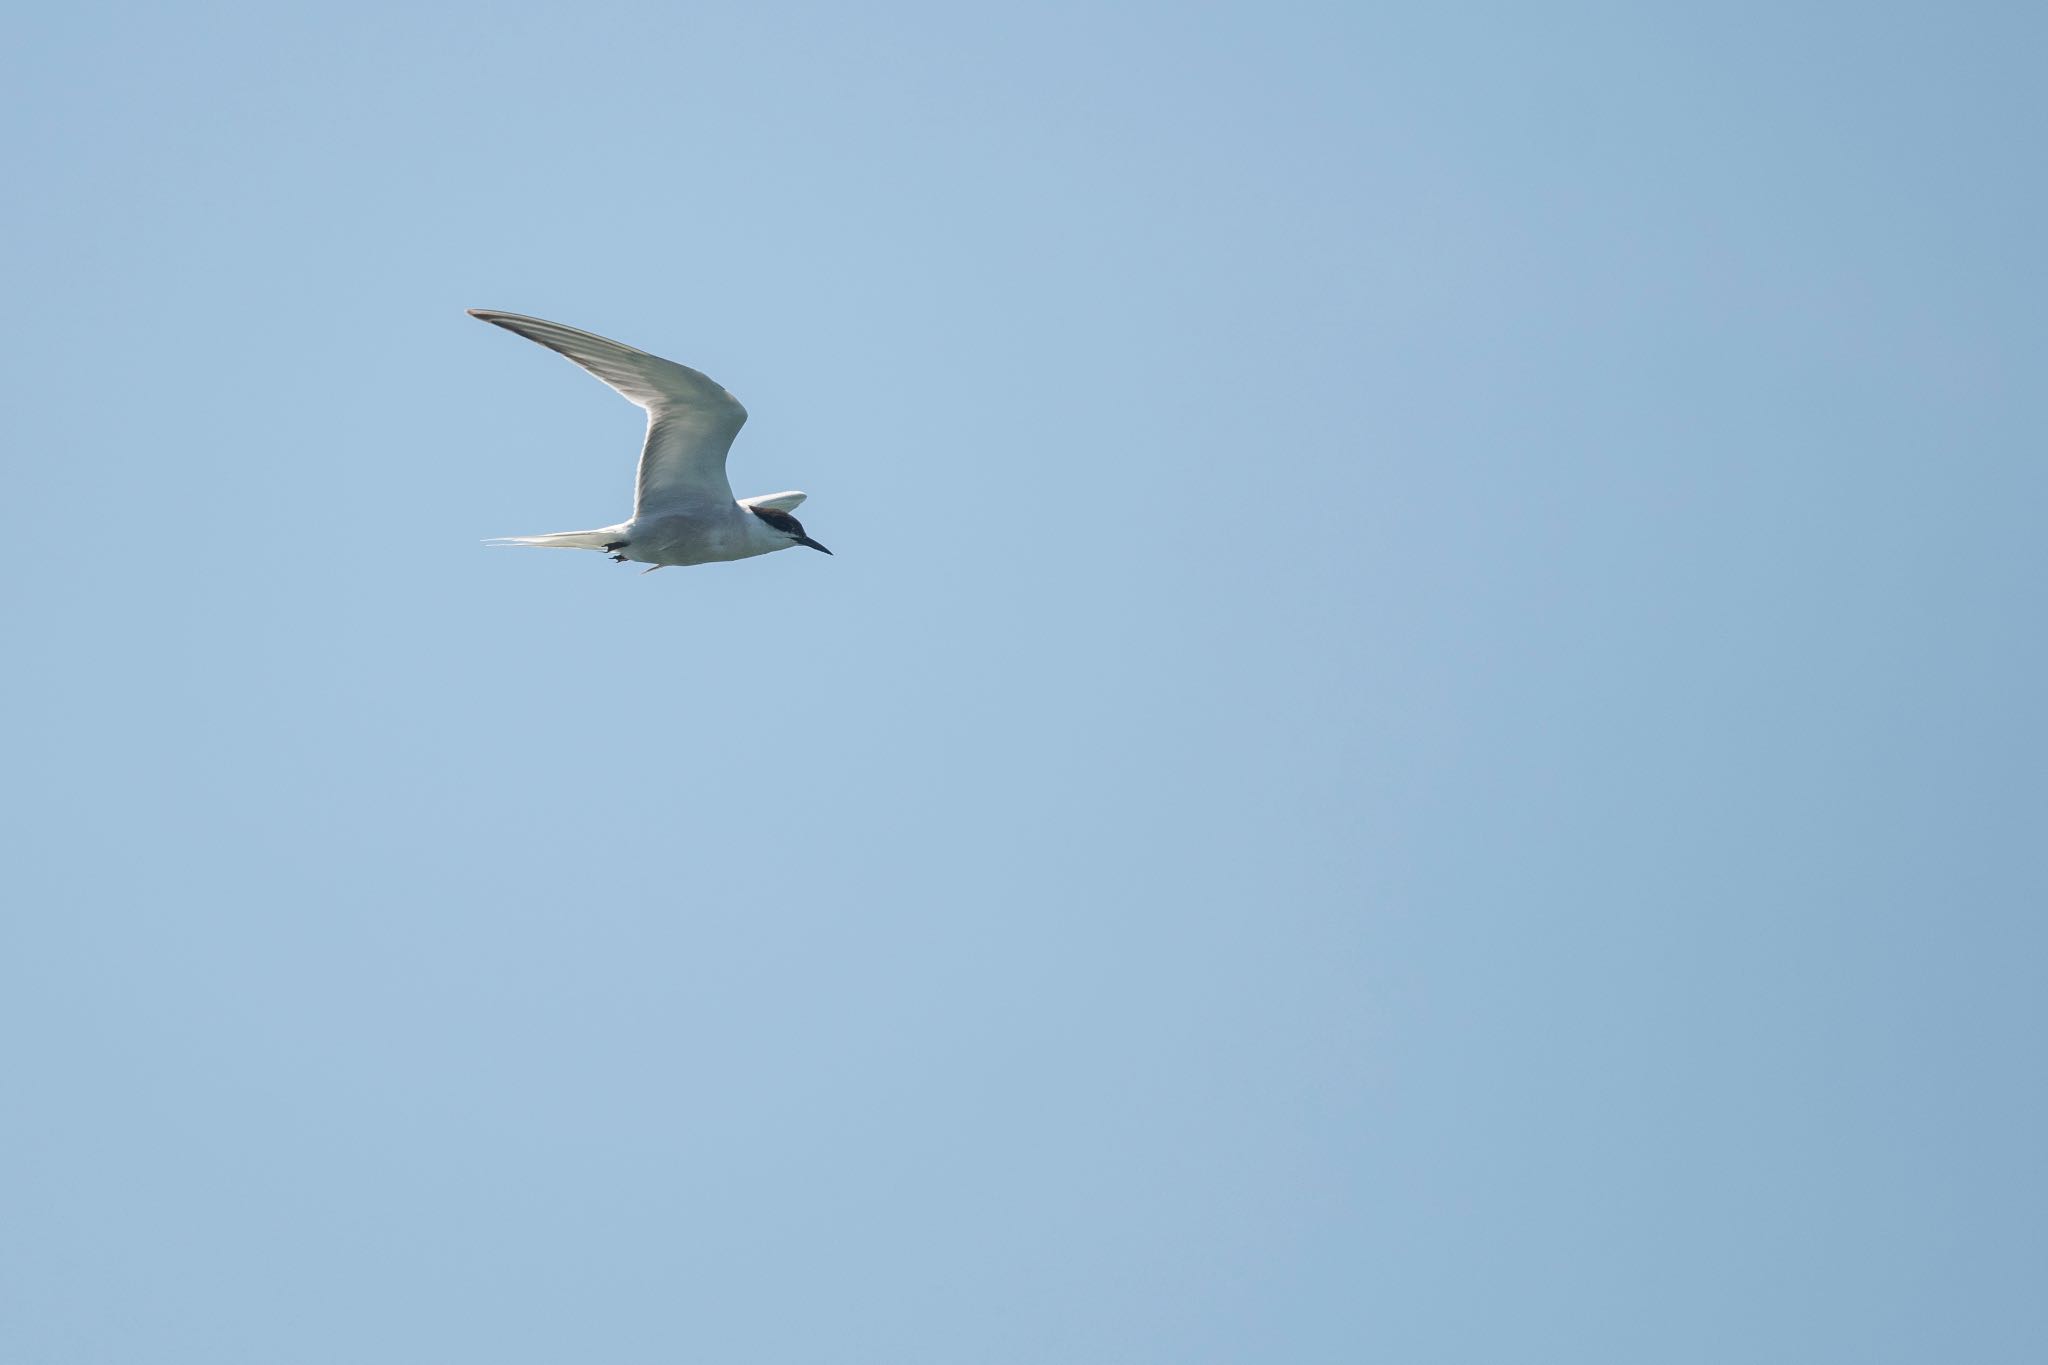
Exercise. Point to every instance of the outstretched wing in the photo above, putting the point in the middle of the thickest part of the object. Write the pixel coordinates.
(690, 420)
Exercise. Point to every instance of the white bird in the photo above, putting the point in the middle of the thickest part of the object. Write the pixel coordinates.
(683, 508)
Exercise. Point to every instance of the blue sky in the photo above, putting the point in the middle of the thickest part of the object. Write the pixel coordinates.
(1422, 743)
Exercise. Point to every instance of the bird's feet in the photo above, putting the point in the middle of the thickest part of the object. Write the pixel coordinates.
(618, 559)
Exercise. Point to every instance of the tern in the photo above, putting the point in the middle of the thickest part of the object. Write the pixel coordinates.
(683, 508)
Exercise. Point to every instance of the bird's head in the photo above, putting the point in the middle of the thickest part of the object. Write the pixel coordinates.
(783, 524)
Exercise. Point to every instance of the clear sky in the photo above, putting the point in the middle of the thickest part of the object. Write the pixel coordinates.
(1423, 744)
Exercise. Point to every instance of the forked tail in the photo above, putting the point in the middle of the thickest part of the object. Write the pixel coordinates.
(603, 539)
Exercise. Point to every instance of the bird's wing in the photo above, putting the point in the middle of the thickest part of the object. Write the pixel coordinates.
(690, 420)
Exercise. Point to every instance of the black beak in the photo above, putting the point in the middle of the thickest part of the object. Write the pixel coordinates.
(806, 540)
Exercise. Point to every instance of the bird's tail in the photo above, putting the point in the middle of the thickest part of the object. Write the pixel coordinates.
(601, 539)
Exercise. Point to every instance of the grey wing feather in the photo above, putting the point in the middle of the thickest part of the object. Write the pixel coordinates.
(691, 419)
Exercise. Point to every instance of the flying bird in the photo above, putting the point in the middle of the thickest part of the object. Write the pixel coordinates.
(683, 508)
